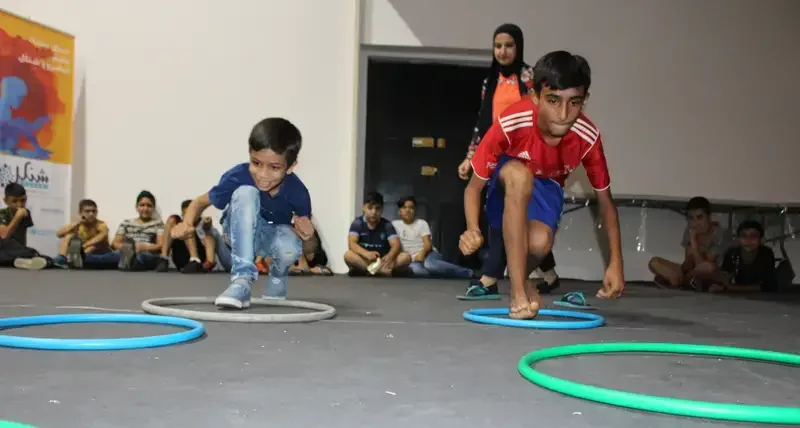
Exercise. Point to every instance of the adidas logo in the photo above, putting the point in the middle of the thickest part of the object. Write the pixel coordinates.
(524, 155)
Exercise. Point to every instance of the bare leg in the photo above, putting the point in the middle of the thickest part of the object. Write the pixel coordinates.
(518, 185)
(355, 262)
(301, 266)
(64, 244)
(670, 272)
(540, 241)
(402, 260)
(211, 249)
(165, 249)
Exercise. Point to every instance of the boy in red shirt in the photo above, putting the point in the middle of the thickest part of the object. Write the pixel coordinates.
(525, 157)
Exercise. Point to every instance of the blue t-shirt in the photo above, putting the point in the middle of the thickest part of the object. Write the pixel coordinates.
(373, 239)
(292, 196)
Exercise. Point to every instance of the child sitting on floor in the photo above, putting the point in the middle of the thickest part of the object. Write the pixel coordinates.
(15, 220)
(84, 235)
(748, 266)
(267, 211)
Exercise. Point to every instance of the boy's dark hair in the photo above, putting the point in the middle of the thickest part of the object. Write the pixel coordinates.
(561, 70)
(278, 135)
(145, 194)
(86, 203)
(403, 201)
(699, 203)
(373, 198)
(14, 190)
(750, 224)
(185, 204)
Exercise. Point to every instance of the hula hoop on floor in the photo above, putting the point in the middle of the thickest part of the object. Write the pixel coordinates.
(653, 403)
(158, 307)
(196, 330)
(490, 316)
(11, 424)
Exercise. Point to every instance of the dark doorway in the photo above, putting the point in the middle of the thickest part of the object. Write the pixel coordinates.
(436, 102)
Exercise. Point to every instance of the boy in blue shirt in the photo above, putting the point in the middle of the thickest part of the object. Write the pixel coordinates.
(266, 212)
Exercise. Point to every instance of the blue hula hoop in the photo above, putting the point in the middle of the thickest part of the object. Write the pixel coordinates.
(196, 329)
(490, 316)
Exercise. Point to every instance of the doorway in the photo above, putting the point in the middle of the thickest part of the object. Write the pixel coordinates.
(419, 121)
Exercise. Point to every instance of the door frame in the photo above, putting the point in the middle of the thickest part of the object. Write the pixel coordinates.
(408, 55)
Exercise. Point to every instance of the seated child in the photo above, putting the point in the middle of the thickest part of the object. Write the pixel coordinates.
(186, 253)
(139, 240)
(314, 263)
(415, 240)
(267, 211)
(84, 235)
(373, 238)
(15, 220)
(748, 266)
(704, 243)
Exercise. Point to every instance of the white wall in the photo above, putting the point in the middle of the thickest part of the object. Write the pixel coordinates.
(693, 97)
(172, 89)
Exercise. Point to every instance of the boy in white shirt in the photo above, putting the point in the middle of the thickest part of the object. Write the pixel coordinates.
(415, 238)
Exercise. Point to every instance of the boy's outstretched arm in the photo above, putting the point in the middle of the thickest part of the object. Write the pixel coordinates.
(186, 228)
(614, 280)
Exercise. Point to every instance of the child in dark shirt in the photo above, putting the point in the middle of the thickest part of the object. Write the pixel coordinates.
(15, 220)
(750, 265)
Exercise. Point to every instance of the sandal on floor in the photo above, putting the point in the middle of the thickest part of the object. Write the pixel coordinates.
(480, 292)
(321, 271)
(574, 300)
(299, 272)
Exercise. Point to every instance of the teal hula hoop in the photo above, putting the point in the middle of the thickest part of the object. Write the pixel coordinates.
(653, 403)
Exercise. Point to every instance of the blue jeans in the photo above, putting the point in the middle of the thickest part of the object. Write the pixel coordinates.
(435, 265)
(250, 235)
(110, 260)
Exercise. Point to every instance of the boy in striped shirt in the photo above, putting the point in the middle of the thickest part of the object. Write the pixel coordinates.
(525, 158)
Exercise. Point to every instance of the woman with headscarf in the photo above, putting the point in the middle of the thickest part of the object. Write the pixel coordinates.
(509, 79)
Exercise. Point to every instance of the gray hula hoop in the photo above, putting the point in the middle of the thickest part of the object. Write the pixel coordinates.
(160, 307)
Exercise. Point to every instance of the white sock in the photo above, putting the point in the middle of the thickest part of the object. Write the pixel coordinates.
(195, 259)
(550, 276)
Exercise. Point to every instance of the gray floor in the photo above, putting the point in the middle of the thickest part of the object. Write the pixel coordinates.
(398, 355)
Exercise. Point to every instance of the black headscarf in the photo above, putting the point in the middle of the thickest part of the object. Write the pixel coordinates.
(485, 116)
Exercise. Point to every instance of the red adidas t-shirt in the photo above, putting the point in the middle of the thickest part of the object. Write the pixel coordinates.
(516, 134)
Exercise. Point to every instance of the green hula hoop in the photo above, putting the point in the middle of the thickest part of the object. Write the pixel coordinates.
(10, 424)
(654, 403)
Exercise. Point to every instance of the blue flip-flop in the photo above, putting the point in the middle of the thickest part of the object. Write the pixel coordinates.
(574, 300)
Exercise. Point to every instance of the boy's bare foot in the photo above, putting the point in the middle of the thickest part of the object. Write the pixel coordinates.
(520, 308)
(534, 299)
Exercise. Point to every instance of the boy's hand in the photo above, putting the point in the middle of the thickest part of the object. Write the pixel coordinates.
(372, 256)
(21, 213)
(470, 242)
(182, 231)
(303, 227)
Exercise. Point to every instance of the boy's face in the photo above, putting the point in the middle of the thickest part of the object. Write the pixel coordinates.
(16, 202)
(268, 169)
(559, 109)
(372, 212)
(699, 220)
(750, 239)
(408, 211)
(89, 213)
(145, 208)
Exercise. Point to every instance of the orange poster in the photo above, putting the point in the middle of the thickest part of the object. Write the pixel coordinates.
(36, 87)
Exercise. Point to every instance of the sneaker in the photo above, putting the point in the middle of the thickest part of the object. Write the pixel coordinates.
(237, 296)
(162, 265)
(127, 255)
(194, 267)
(75, 253)
(478, 291)
(34, 263)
